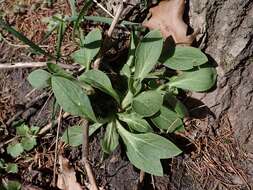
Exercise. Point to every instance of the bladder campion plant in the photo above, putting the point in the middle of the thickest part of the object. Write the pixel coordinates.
(148, 103)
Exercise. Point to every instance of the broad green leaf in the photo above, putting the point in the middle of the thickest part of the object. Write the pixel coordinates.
(22, 38)
(145, 150)
(98, 79)
(185, 58)
(11, 168)
(92, 44)
(72, 98)
(12, 185)
(28, 142)
(148, 53)
(195, 80)
(34, 130)
(57, 70)
(111, 138)
(147, 103)
(74, 135)
(176, 105)
(39, 78)
(167, 120)
(135, 122)
(126, 71)
(15, 150)
(23, 130)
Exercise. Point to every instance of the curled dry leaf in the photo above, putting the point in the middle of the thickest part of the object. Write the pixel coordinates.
(67, 176)
(168, 17)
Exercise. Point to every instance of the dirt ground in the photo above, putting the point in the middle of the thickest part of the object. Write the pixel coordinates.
(213, 158)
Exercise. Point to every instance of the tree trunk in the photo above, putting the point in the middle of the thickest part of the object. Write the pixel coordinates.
(227, 33)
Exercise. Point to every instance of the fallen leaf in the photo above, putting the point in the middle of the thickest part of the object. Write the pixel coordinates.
(67, 176)
(168, 17)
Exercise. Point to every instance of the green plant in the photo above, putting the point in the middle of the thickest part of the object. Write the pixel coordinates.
(10, 185)
(147, 103)
(24, 141)
(8, 167)
(138, 112)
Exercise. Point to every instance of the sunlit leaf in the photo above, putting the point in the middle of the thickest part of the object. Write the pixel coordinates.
(72, 98)
(147, 103)
(148, 53)
(39, 78)
(145, 150)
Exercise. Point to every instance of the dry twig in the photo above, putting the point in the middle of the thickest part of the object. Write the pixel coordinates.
(109, 35)
(32, 65)
(85, 156)
(56, 147)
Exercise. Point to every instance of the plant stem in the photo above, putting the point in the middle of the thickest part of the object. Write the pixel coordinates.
(85, 155)
(97, 62)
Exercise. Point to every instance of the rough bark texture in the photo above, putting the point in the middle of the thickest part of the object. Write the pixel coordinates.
(227, 36)
(228, 39)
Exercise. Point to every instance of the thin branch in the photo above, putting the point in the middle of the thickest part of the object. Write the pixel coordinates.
(32, 65)
(85, 156)
(103, 8)
(56, 147)
(97, 62)
(49, 125)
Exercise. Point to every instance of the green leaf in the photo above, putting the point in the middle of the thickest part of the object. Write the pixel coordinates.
(98, 79)
(80, 16)
(15, 150)
(198, 80)
(23, 130)
(28, 142)
(57, 70)
(74, 135)
(147, 103)
(111, 138)
(34, 130)
(176, 105)
(2, 163)
(73, 7)
(11, 168)
(185, 58)
(148, 53)
(22, 38)
(60, 34)
(12, 185)
(167, 120)
(135, 122)
(145, 150)
(71, 97)
(131, 53)
(92, 44)
(39, 78)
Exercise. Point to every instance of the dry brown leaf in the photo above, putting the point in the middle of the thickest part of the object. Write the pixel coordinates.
(168, 17)
(67, 176)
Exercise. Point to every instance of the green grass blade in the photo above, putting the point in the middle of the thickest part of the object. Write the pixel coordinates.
(24, 39)
(73, 7)
(60, 35)
(83, 11)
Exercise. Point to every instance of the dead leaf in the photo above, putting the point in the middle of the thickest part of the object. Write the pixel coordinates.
(67, 176)
(168, 17)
